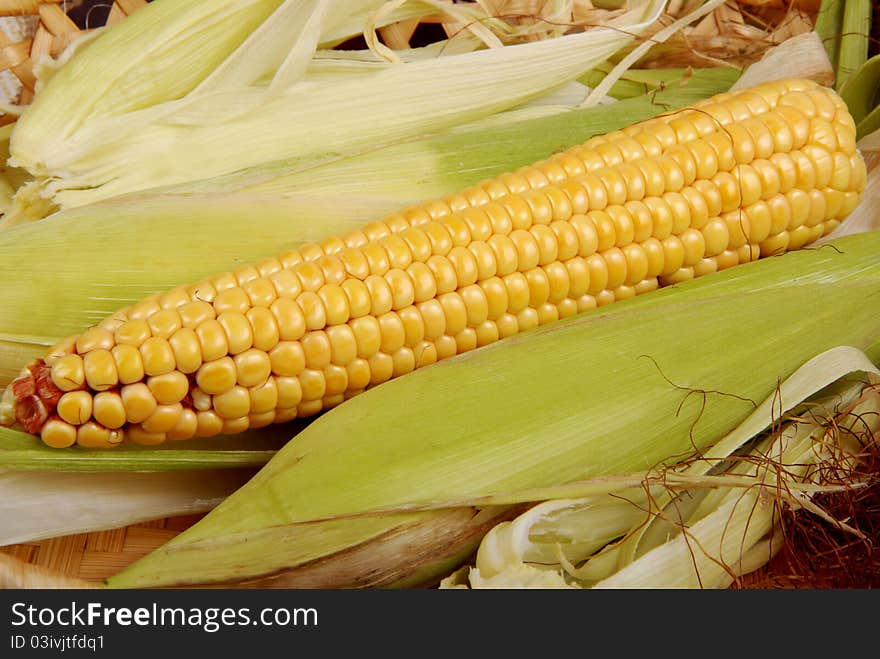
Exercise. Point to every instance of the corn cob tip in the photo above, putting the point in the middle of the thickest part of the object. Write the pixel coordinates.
(30, 399)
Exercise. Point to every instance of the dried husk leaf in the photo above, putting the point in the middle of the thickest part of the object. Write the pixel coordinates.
(96, 81)
(225, 131)
(49, 504)
(803, 53)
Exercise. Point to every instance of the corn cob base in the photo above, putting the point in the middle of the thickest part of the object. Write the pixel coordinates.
(736, 177)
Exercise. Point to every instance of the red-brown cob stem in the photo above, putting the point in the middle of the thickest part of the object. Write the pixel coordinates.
(35, 397)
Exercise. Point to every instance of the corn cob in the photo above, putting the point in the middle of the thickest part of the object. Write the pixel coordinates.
(728, 180)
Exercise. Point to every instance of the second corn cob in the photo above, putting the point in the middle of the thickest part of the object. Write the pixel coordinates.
(726, 181)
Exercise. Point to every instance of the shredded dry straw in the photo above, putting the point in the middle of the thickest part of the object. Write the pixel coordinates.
(735, 34)
(839, 548)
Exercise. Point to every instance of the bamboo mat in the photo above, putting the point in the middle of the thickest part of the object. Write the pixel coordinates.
(95, 556)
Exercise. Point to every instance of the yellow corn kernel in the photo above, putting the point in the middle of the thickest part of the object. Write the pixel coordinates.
(68, 373)
(466, 340)
(424, 352)
(392, 332)
(598, 274)
(186, 427)
(164, 323)
(94, 338)
(110, 324)
(527, 253)
(234, 403)
(343, 345)
(289, 318)
(547, 313)
(316, 350)
(238, 331)
(455, 312)
(636, 263)
(586, 302)
(705, 267)
(208, 423)
(464, 265)
(109, 410)
(264, 397)
(286, 283)
(567, 307)
(169, 388)
(187, 355)
(157, 356)
(201, 401)
(264, 329)
(75, 407)
(367, 334)
(332, 268)
(433, 319)
(558, 281)
(213, 343)
(138, 401)
(218, 376)
(413, 326)
(100, 369)
(93, 435)
(587, 235)
(518, 292)
(715, 236)
(144, 308)
(401, 287)
(309, 274)
(358, 375)
(58, 434)
(727, 259)
(60, 349)
(139, 435)
(616, 262)
(673, 254)
(163, 418)
(381, 368)
(694, 244)
(418, 243)
(260, 293)
(653, 175)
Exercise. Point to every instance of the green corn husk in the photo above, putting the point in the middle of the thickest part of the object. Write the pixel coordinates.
(636, 82)
(396, 486)
(727, 500)
(829, 27)
(862, 96)
(75, 280)
(253, 448)
(854, 37)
